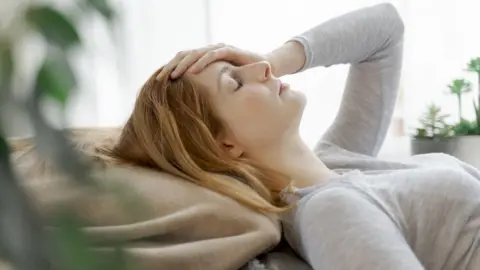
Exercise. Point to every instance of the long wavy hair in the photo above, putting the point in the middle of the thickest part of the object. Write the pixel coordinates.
(173, 128)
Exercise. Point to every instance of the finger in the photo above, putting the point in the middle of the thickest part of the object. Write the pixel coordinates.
(186, 62)
(208, 51)
(204, 61)
(193, 57)
(172, 64)
(224, 53)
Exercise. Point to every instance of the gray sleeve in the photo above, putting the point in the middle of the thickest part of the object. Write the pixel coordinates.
(371, 40)
(341, 229)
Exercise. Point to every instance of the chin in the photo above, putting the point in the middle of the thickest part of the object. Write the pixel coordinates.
(299, 98)
(297, 104)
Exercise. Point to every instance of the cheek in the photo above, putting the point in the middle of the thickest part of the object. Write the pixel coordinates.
(256, 99)
(253, 112)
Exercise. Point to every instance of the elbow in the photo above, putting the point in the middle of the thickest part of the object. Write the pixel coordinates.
(396, 22)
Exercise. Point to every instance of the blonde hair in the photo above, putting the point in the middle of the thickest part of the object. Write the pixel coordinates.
(173, 128)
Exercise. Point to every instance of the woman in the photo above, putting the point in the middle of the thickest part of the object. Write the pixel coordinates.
(219, 111)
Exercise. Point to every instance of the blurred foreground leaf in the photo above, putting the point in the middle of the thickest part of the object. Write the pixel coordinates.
(6, 70)
(55, 78)
(4, 151)
(54, 26)
(72, 245)
(102, 7)
(76, 252)
(118, 261)
(22, 240)
(53, 145)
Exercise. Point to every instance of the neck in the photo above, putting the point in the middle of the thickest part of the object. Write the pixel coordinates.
(295, 159)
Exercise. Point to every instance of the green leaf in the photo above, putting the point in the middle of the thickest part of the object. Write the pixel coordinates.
(76, 249)
(103, 7)
(4, 150)
(72, 245)
(460, 86)
(474, 65)
(55, 27)
(465, 128)
(6, 70)
(421, 133)
(477, 112)
(55, 78)
(114, 261)
(433, 123)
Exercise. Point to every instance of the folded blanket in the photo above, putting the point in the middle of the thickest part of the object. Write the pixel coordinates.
(179, 225)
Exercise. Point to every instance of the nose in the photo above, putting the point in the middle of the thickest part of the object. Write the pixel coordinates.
(261, 71)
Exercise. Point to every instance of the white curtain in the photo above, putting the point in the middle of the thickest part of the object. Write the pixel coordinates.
(440, 37)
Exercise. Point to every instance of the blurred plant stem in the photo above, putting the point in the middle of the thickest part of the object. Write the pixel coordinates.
(23, 241)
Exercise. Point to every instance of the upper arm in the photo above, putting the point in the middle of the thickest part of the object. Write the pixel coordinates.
(368, 101)
(370, 39)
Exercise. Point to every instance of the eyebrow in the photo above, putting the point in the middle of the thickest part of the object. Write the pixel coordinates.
(219, 79)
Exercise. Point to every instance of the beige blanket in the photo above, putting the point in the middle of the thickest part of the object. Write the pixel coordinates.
(176, 225)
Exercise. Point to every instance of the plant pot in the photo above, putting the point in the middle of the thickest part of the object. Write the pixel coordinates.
(468, 149)
(425, 146)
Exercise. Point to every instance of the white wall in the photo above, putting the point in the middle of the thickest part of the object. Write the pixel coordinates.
(263, 25)
(441, 36)
(114, 65)
(154, 32)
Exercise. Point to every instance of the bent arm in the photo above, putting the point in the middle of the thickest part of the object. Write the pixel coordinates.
(370, 39)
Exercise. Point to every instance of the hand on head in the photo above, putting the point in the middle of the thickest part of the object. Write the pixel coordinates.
(196, 60)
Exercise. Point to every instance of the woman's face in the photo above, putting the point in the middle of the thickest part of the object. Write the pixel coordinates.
(256, 109)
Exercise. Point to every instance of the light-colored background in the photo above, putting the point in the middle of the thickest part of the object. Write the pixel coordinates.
(441, 36)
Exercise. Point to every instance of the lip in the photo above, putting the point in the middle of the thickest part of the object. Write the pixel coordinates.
(282, 87)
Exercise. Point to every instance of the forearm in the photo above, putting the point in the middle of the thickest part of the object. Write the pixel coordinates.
(287, 59)
(351, 38)
(371, 41)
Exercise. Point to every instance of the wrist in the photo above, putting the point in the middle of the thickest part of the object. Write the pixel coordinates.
(287, 59)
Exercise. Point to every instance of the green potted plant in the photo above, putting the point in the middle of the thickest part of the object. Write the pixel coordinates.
(474, 66)
(434, 135)
(467, 132)
(458, 87)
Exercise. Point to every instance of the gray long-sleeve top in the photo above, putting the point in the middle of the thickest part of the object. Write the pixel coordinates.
(379, 214)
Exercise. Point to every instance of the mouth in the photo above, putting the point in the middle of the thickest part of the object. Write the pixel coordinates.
(282, 87)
